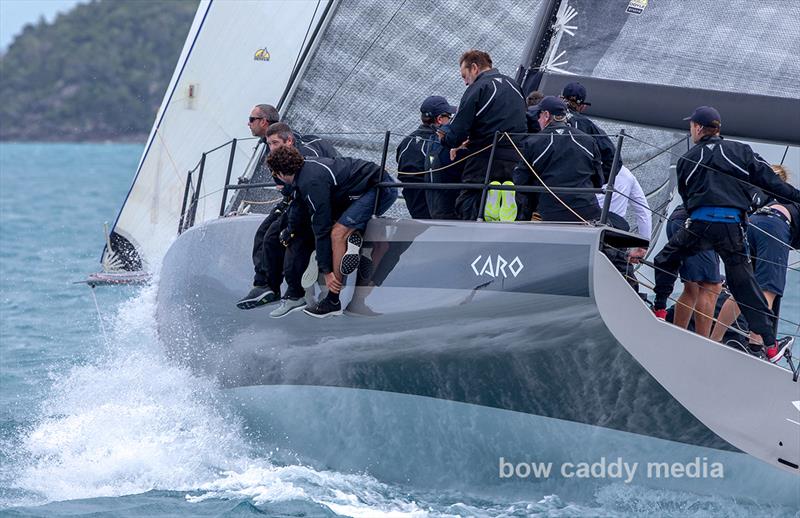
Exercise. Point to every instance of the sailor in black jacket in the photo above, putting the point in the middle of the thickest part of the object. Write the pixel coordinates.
(575, 96)
(714, 181)
(562, 156)
(421, 151)
(491, 103)
(339, 194)
(284, 241)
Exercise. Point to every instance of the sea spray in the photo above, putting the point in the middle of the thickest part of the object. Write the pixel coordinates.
(129, 421)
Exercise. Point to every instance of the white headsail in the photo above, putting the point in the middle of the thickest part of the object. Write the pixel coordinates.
(237, 54)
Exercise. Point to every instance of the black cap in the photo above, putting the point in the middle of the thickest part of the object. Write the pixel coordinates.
(551, 104)
(575, 91)
(436, 105)
(707, 116)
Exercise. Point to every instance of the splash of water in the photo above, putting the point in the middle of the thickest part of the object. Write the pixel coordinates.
(128, 421)
(132, 421)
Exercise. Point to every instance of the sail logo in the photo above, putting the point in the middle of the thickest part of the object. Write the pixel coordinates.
(496, 266)
(261, 55)
(636, 6)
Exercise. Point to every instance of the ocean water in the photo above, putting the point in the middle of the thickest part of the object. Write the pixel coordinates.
(96, 420)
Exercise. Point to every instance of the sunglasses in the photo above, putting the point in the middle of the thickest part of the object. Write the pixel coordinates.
(253, 119)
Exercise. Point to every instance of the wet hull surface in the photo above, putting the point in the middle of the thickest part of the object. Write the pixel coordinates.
(464, 343)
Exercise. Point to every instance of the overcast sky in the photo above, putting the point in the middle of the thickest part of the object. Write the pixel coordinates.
(15, 14)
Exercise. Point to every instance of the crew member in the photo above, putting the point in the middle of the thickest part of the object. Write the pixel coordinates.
(574, 94)
(284, 241)
(532, 115)
(491, 103)
(771, 232)
(714, 179)
(561, 156)
(702, 282)
(331, 187)
(629, 194)
(418, 152)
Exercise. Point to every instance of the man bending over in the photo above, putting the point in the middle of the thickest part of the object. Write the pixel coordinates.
(331, 187)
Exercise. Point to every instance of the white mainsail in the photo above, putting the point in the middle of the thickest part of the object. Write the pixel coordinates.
(237, 54)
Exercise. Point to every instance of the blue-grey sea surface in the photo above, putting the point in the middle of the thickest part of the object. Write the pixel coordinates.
(96, 420)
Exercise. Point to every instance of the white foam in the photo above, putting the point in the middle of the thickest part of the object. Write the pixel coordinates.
(129, 421)
(345, 494)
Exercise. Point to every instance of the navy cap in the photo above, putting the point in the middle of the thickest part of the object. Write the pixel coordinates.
(551, 104)
(436, 105)
(576, 91)
(706, 116)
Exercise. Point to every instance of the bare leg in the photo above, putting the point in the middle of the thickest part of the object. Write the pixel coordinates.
(770, 298)
(685, 304)
(339, 235)
(730, 312)
(727, 314)
(704, 309)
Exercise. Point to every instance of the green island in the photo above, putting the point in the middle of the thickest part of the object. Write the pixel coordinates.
(96, 73)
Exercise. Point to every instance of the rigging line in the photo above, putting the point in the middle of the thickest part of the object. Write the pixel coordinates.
(787, 245)
(785, 151)
(661, 152)
(677, 276)
(637, 202)
(451, 164)
(343, 81)
(213, 119)
(732, 326)
(666, 182)
(99, 316)
(540, 179)
(697, 235)
(709, 168)
(305, 37)
(651, 287)
(169, 155)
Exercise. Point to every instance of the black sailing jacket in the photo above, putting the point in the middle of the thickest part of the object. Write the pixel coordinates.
(562, 156)
(492, 103)
(721, 173)
(327, 186)
(310, 146)
(604, 144)
(421, 151)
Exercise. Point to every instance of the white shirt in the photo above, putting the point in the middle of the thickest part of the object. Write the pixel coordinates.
(628, 186)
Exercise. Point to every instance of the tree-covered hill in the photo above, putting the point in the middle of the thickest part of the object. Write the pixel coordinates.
(97, 72)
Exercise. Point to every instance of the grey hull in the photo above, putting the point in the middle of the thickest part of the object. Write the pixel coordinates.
(503, 318)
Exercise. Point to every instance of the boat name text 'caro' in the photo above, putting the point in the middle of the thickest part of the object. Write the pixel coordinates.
(496, 266)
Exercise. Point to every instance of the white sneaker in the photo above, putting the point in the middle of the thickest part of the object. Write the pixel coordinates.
(311, 275)
(352, 255)
(288, 305)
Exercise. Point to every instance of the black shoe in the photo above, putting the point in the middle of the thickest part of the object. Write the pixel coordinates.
(324, 308)
(351, 257)
(758, 351)
(258, 296)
